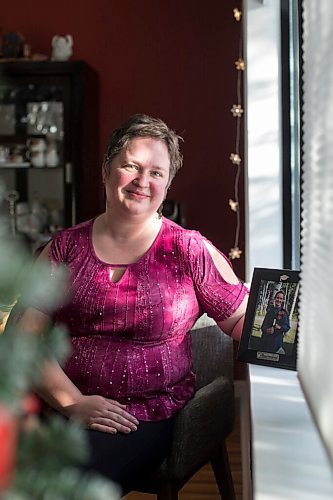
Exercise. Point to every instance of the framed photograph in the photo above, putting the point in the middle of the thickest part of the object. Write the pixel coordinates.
(269, 334)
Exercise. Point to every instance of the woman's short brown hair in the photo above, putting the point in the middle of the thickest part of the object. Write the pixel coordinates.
(144, 126)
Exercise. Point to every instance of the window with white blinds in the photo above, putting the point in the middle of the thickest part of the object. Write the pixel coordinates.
(315, 360)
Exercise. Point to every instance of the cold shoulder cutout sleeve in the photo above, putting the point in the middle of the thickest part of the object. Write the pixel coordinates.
(216, 296)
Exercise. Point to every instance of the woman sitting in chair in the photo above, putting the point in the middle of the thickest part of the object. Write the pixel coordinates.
(137, 284)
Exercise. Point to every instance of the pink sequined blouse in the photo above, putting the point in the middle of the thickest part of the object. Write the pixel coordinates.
(130, 339)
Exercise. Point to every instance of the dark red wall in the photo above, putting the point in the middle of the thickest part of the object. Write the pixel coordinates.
(172, 59)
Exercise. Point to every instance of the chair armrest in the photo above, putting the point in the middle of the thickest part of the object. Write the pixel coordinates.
(212, 352)
(200, 428)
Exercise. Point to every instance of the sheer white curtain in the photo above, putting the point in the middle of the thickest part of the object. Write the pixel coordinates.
(315, 363)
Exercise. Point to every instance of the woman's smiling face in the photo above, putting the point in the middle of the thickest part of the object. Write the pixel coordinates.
(138, 177)
(278, 299)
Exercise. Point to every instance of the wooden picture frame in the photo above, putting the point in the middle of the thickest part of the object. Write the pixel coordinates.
(270, 328)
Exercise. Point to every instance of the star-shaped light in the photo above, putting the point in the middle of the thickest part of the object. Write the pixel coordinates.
(240, 64)
(235, 253)
(235, 158)
(237, 14)
(237, 110)
(233, 205)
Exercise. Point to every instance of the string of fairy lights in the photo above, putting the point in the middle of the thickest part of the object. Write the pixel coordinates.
(235, 158)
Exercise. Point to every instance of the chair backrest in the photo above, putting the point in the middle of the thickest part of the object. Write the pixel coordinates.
(212, 352)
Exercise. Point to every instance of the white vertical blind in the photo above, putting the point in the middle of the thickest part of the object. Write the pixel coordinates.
(263, 136)
(315, 363)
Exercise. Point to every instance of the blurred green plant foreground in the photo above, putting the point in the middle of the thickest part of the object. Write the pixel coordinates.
(48, 453)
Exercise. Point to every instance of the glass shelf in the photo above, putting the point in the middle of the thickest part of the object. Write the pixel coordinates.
(28, 166)
(15, 165)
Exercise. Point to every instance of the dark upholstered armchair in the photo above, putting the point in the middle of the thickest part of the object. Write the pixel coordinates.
(202, 426)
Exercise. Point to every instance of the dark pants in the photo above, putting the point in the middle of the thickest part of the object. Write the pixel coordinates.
(271, 342)
(278, 341)
(123, 458)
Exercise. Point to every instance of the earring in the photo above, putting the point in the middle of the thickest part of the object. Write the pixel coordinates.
(160, 211)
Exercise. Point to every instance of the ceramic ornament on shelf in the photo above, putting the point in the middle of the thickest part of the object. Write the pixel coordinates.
(51, 154)
(62, 47)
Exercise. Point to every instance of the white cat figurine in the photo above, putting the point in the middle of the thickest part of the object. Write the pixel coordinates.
(62, 48)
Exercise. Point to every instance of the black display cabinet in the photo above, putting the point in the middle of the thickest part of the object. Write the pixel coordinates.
(49, 143)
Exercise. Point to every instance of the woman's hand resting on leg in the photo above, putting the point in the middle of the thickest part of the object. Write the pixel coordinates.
(102, 414)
